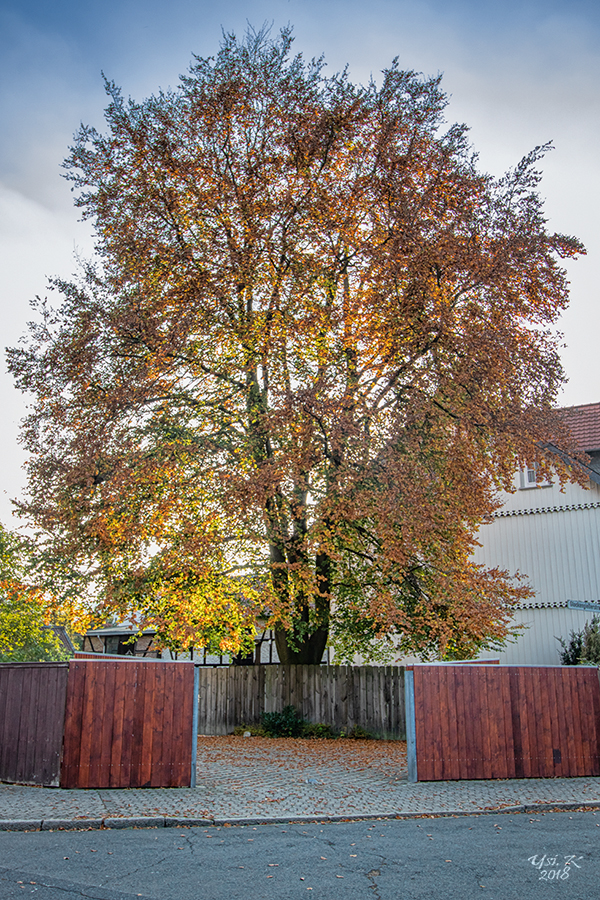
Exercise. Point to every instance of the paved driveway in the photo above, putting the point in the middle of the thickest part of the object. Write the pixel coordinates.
(266, 776)
(262, 779)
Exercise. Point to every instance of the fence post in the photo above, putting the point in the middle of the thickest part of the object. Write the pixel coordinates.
(195, 726)
(411, 730)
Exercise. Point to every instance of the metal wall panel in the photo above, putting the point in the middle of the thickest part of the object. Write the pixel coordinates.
(538, 645)
(557, 551)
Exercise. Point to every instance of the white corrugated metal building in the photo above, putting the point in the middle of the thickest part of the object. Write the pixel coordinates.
(553, 538)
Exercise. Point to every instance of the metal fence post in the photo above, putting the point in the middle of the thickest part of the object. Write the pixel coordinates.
(195, 725)
(411, 730)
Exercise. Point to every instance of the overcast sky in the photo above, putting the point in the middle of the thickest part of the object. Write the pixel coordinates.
(519, 74)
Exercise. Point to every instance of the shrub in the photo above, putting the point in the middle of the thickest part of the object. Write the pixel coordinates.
(287, 723)
(255, 730)
(360, 734)
(583, 648)
(590, 653)
(570, 655)
(318, 730)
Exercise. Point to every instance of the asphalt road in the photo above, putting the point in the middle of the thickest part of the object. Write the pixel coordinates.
(496, 856)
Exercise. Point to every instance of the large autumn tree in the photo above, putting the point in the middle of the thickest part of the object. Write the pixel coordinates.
(313, 344)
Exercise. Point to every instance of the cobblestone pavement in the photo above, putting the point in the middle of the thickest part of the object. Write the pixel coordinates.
(257, 778)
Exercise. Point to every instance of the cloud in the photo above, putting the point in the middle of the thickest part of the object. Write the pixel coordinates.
(35, 242)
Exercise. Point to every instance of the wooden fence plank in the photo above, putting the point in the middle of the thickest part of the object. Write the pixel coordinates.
(101, 706)
(118, 726)
(574, 720)
(586, 706)
(27, 712)
(50, 722)
(557, 723)
(164, 770)
(73, 724)
(507, 721)
(596, 723)
(526, 712)
(452, 765)
(5, 720)
(10, 757)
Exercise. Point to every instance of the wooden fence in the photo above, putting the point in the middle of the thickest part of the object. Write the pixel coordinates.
(371, 697)
(502, 722)
(32, 712)
(129, 723)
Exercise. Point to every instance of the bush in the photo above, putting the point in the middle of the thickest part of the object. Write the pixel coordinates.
(590, 654)
(360, 734)
(583, 648)
(318, 730)
(255, 730)
(23, 634)
(570, 655)
(287, 723)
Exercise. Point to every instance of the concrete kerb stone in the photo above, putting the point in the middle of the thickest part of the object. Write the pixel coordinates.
(71, 824)
(20, 824)
(184, 822)
(134, 822)
(535, 807)
(192, 822)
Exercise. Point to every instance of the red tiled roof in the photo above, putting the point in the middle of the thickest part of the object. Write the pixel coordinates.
(584, 423)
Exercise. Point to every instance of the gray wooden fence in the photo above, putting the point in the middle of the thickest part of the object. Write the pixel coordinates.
(371, 697)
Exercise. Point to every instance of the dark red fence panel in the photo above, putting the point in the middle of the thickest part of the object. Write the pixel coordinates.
(32, 713)
(128, 723)
(505, 722)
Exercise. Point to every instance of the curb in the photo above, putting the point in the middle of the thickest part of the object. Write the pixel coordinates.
(116, 822)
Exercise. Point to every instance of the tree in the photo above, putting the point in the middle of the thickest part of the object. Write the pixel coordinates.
(313, 344)
(24, 611)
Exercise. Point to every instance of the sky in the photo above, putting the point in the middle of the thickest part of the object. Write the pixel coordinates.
(518, 73)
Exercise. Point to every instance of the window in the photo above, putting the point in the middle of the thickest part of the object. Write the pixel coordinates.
(529, 478)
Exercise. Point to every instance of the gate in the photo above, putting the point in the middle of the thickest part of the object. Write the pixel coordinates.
(130, 723)
(32, 713)
(502, 722)
(109, 723)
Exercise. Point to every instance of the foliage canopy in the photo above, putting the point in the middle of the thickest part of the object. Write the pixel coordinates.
(24, 608)
(314, 343)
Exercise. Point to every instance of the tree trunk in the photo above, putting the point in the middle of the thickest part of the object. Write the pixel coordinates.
(310, 652)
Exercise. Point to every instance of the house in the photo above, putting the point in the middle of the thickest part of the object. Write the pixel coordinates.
(116, 639)
(552, 537)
